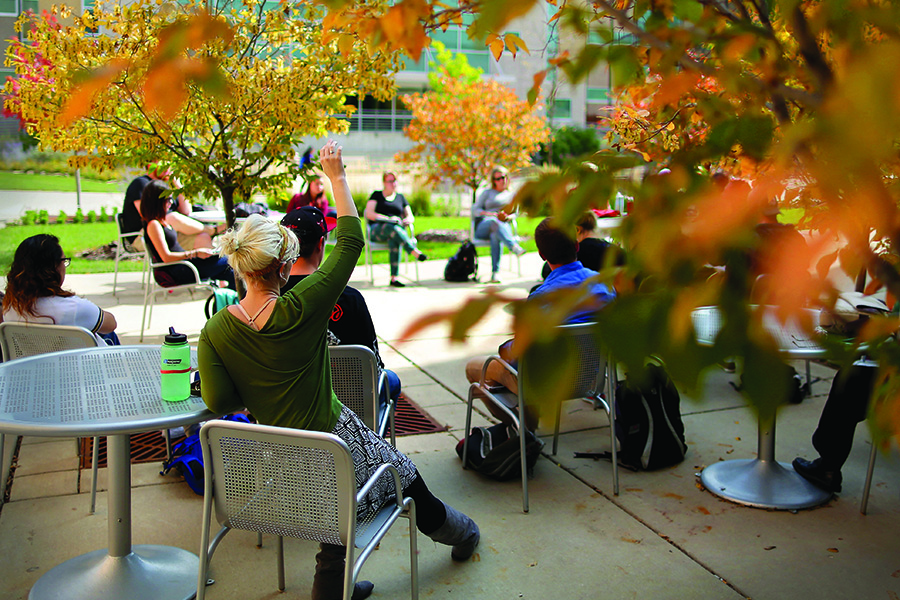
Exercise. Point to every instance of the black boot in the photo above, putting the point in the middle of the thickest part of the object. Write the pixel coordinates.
(458, 531)
(328, 583)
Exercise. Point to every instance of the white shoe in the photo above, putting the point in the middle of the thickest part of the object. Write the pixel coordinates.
(518, 250)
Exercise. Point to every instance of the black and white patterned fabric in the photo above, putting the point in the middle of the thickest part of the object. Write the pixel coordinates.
(369, 452)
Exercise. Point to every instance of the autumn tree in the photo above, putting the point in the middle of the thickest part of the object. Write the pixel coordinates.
(466, 125)
(224, 97)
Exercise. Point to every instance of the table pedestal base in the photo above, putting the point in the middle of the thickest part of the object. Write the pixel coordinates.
(763, 484)
(148, 573)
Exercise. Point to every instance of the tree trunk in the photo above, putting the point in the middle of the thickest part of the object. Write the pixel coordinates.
(228, 203)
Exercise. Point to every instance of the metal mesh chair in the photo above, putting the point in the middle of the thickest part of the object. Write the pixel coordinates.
(290, 482)
(357, 384)
(18, 340)
(153, 288)
(404, 256)
(584, 379)
(123, 252)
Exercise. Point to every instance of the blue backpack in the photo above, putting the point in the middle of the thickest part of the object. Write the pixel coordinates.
(187, 457)
(219, 299)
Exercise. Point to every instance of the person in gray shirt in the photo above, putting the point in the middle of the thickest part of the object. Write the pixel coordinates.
(492, 221)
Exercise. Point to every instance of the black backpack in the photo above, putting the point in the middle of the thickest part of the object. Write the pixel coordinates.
(494, 451)
(648, 422)
(463, 265)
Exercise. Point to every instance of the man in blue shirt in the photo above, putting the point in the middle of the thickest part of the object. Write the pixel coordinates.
(559, 248)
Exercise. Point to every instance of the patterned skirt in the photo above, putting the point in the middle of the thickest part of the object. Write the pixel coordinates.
(369, 452)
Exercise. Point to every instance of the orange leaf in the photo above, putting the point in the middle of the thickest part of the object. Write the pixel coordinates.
(673, 88)
(563, 57)
(82, 97)
(496, 47)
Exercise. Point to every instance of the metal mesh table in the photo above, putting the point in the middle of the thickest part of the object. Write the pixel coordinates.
(762, 482)
(113, 391)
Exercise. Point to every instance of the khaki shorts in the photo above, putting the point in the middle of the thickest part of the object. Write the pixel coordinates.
(136, 245)
(186, 240)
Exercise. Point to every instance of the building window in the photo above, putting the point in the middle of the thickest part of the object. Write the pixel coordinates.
(598, 95)
(457, 42)
(562, 109)
(374, 115)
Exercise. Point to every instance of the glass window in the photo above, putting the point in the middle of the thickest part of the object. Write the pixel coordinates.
(480, 59)
(562, 108)
(9, 7)
(595, 94)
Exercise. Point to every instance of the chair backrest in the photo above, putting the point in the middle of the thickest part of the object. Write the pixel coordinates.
(18, 340)
(282, 481)
(354, 378)
(584, 370)
(120, 218)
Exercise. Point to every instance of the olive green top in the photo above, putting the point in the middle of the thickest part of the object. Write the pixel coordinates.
(282, 373)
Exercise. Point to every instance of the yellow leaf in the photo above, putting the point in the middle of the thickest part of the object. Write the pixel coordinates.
(514, 43)
(345, 44)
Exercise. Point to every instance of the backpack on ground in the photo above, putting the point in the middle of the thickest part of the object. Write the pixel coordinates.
(187, 457)
(648, 422)
(463, 265)
(219, 299)
(494, 451)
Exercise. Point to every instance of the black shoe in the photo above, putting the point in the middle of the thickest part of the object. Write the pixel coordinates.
(397, 283)
(362, 590)
(422, 257)
(816, 474)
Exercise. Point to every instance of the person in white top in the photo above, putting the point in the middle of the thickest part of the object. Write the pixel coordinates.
(34, 292)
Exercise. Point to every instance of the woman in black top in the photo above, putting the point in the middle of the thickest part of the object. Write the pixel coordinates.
(162, 242)
(388, 214)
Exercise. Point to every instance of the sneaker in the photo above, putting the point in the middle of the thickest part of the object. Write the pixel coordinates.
(494, 278)
(518, 250)
(814, 472)
(397, 283)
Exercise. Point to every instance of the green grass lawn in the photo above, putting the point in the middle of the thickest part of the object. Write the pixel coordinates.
(76, 238)
(56, 183)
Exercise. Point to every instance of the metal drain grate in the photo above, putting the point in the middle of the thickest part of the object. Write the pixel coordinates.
(150, 446)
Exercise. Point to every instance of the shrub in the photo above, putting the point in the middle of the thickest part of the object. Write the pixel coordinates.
(104, 216)
(62, 217)
(278, 199)
(92, 216)
(360, 199)
(569, 143)
(79, 217)
(29, 217)
(420, 202)
(43, 218)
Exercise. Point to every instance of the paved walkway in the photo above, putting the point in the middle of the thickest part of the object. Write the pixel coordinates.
(662, 537)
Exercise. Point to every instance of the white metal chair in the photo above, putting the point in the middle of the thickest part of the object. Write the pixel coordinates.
(123, 252)
(404, 256)
(589, 366)
(290, 482)
(479, 242)
(357, 384)
(153, 288)
(18, 340)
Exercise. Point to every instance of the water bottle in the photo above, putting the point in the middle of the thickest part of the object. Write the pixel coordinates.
(175, 367)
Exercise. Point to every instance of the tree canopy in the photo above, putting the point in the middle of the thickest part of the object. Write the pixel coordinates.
(224, 97)
(467, 125)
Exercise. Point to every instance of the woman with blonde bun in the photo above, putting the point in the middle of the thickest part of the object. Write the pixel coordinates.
(269, 354)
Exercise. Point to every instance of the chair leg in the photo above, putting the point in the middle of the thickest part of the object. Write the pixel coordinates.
(116, 268)
(556, 427)
(280, 545)
(611, 376)
(864, 505)
(520, 423)
(2, 455)
(413, 551)
(95, 460)
(468, 426)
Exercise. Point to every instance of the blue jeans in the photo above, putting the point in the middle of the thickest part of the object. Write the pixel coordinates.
(394, 236)
(391, 389)
(497, 231)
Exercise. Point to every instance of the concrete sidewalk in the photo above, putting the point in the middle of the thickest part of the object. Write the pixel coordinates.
(662, 537)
